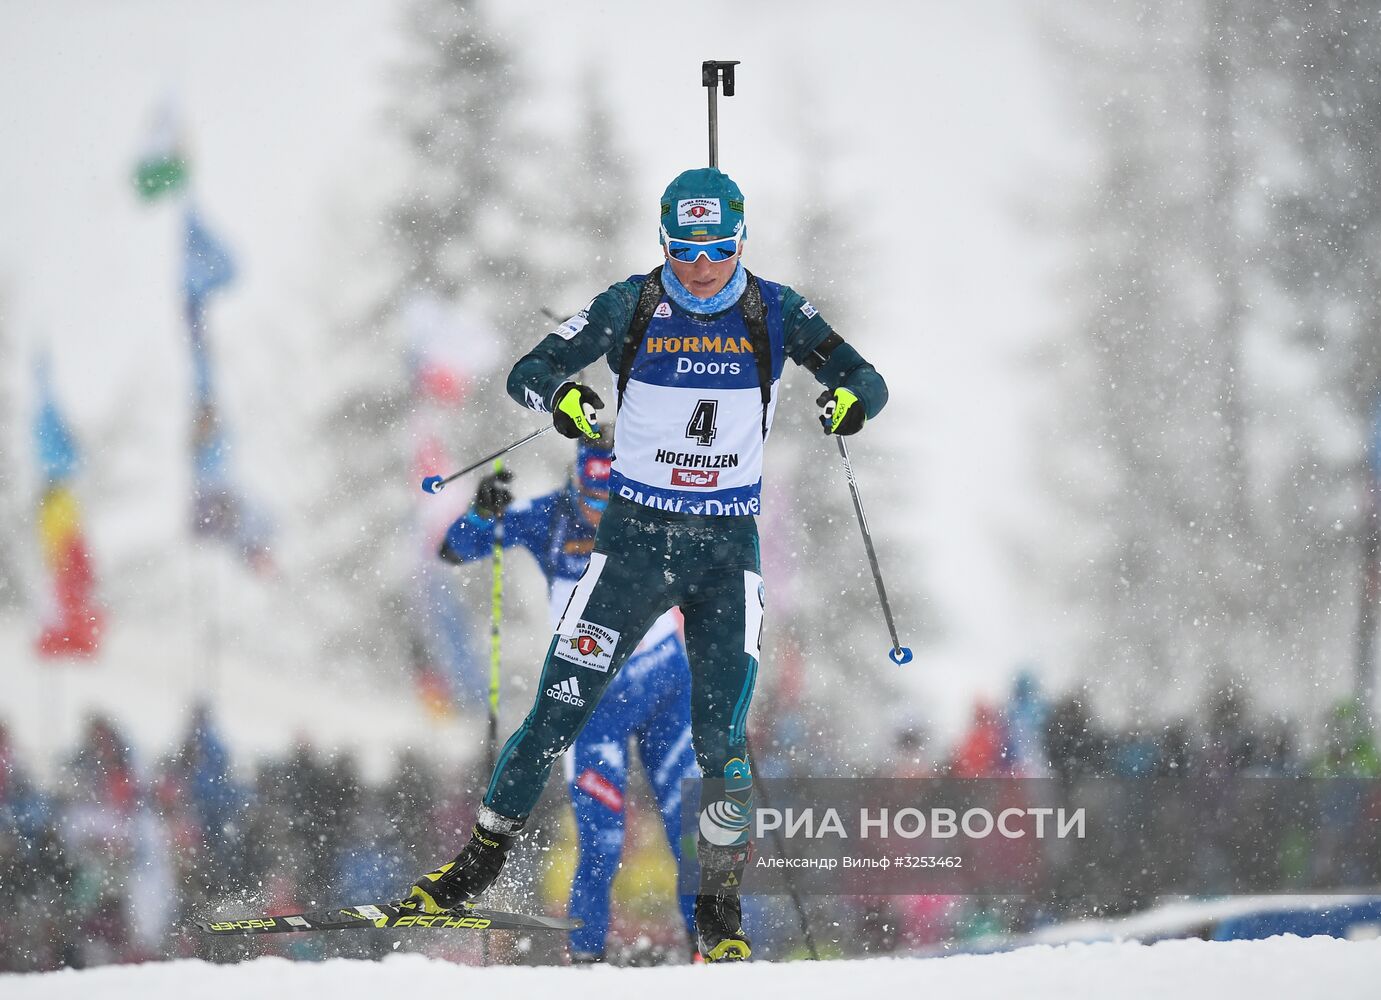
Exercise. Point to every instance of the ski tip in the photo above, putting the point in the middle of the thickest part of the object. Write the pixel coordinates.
(900, 655)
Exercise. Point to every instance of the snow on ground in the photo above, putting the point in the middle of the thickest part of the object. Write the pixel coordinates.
(1185, 970)
(1180, 917)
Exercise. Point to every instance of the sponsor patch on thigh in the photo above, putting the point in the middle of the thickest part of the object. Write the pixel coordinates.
(588, 645)
(754, 607)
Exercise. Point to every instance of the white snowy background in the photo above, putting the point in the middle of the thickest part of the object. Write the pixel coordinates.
(945, 147)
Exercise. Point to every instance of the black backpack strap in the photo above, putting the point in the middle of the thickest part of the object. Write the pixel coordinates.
(648, 298)
(755, 318)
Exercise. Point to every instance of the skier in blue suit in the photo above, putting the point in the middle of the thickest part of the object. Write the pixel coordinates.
(648, 700)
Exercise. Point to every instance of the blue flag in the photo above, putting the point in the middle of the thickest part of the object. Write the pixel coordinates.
(56, 448)
(208, 264)
(219, 508)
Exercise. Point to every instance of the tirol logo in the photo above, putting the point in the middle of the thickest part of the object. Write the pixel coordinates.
(567, 691)
(695, 477)
(702, 211)
(662, 311)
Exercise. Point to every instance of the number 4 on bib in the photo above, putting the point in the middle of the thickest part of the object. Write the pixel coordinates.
(701, 428)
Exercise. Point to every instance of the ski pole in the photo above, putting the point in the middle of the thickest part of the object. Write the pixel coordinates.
(491, 743)
(712, 71)
(760, 788)
(495, 635)
(898, 653)
(435, 484)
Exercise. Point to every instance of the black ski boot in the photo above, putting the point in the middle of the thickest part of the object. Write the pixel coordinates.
(719, 922)
(718, 912)
(474, 869)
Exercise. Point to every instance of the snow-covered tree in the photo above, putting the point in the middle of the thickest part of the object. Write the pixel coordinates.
(1216, 382)
(1321, 204)
(453, 232)
(583, 206)
(1147, 451)
(826, 637)
(489, 216)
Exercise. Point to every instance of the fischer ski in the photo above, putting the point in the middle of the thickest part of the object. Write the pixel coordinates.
(371, 915)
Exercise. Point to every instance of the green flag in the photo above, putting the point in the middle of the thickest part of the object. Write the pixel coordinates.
(162, 167)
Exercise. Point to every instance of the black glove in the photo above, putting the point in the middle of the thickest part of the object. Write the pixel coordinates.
(573, 411)
(843, 412)
(493, 496)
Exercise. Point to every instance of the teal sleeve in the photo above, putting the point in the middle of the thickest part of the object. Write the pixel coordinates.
(573, 345)
(844, 367)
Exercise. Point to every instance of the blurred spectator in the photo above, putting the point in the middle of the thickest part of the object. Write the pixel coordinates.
(101, 769)
(1176, 755)
(1230, 741)
(1074, 745)
(101, 833)
(206, 766)
(909, 754)
(981, 753)
(7, 767)
(1349, 744)
(109, 865)
(1027, 715)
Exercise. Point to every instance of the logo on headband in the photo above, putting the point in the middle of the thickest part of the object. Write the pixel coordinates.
(698, 211)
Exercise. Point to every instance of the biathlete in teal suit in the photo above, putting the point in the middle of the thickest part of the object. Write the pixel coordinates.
(696, 349)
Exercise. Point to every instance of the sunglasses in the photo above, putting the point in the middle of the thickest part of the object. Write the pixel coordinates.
(686, 251)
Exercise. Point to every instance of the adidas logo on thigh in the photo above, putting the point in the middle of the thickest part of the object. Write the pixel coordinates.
(567, 691)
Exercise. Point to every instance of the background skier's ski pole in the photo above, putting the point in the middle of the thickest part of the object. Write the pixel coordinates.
(760, 788)
(495, 638)
(898, 653)
(491, 742)
(435, 484)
